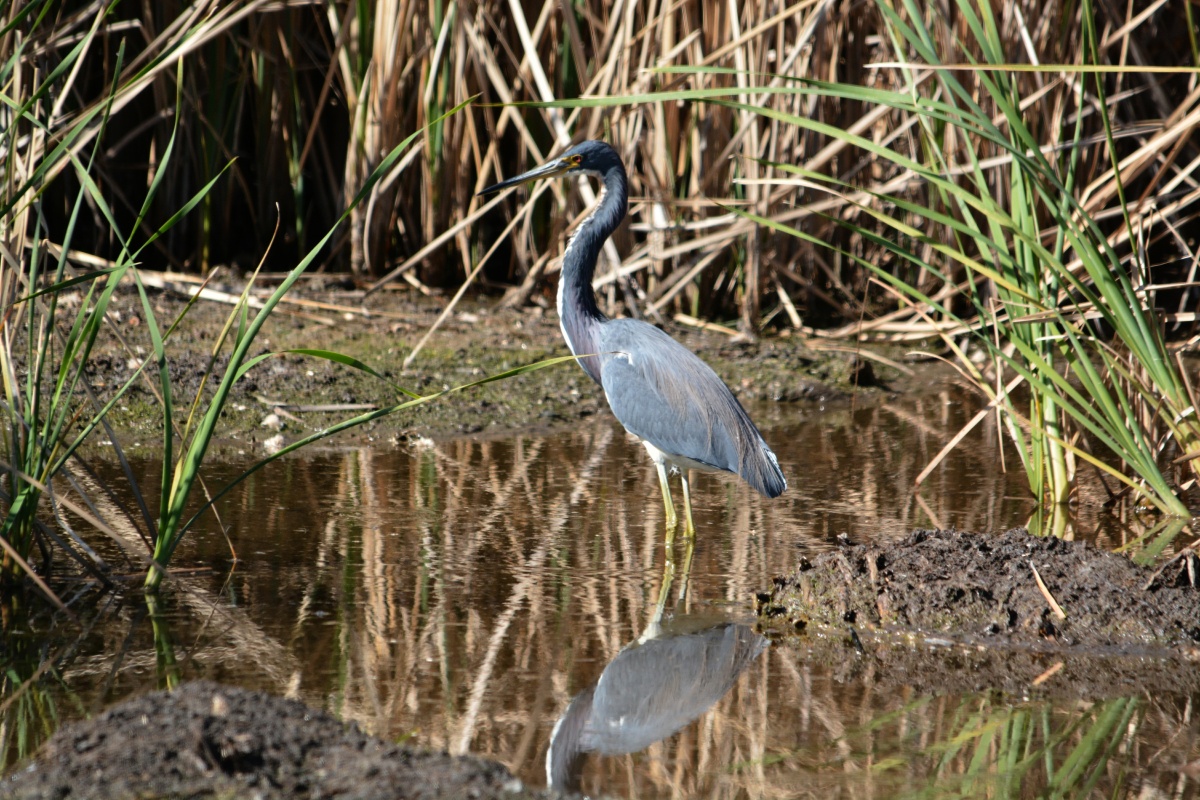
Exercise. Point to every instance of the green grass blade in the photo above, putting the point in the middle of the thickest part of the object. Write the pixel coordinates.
(329, 355)
(196, 449)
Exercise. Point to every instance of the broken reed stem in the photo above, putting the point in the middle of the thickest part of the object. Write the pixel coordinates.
(1054, 606)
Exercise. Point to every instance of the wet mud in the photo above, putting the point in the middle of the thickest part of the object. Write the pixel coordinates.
(204, 740)
(947, 611)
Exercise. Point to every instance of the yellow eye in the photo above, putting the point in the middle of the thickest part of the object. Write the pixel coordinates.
(576, 160)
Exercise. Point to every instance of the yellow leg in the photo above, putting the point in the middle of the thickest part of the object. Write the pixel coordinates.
(670, 572)
(690, 530)
(672, 520)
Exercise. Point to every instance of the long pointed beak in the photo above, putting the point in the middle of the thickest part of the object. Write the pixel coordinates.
(558, 166)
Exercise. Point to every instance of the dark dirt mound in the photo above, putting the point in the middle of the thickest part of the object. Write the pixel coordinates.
(983, 587)
(211, 741)
(947, 611)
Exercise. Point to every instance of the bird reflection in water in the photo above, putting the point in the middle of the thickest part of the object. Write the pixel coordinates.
(653, 688)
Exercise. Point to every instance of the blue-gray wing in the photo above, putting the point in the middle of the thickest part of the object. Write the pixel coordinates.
(664, 394)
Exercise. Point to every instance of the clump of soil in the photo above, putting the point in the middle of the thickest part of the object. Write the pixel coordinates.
(971, 585)
(948, 611)
(211, 741)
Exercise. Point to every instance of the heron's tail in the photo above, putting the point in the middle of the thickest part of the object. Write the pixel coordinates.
(775, 482)
(762, 471)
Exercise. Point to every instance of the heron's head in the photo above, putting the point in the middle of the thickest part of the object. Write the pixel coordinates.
(589, 158)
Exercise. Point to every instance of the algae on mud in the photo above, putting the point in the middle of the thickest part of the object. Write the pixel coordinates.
(483, 339)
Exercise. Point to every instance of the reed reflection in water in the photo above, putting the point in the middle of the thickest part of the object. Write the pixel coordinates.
(464, 591)
(460, 594)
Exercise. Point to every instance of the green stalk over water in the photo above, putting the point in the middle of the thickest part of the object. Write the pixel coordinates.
(187, 469)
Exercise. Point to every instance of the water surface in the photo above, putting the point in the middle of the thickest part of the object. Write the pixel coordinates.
(459, 594)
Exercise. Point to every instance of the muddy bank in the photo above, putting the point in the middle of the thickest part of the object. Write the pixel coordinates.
(212, 741)
(953, 611)
(987, 587)
(480, 338)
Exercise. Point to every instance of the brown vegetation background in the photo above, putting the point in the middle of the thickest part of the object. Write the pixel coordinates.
(307, 97)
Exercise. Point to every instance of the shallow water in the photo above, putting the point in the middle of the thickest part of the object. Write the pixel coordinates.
(459, 594)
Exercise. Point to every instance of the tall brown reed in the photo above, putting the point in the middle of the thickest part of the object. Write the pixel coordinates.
(309, 97)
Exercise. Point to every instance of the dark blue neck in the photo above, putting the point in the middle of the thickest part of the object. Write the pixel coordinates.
(579, 315)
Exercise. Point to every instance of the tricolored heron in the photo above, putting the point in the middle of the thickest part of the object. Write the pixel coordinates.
(658, 389)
